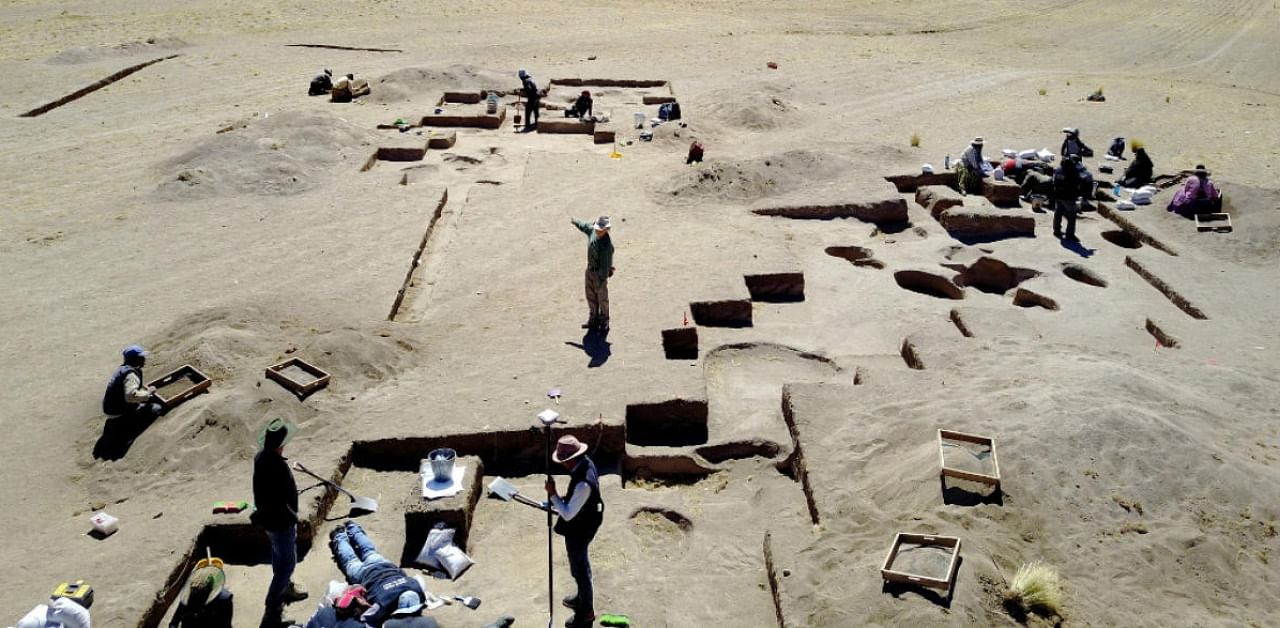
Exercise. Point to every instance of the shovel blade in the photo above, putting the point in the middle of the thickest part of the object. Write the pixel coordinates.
(503, 489)
(365, 504)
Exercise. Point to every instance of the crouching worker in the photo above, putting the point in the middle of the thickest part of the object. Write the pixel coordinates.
(1198, 196)
(126, 396)
(581, 513)
(972, 168)
(206, 602)
(581, 107)
(321, 84)
(392, 595)
(60, 612)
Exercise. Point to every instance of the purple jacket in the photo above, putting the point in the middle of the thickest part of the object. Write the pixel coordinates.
(1195, 189)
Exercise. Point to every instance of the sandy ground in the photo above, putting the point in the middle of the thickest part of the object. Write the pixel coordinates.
(1143, 472)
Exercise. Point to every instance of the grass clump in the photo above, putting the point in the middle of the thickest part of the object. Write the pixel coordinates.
(1043, 91)
(915, 140)
(1036, 589)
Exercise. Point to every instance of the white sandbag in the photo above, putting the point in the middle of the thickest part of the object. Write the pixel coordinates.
(1140, 198)
(998, 174)
(926, 169)
(1126, 205)
(1110, 157)
(453, 560)
(1029, 155)
(1151, 190)
(1044, 155)
(1009, 152)
(438, 537)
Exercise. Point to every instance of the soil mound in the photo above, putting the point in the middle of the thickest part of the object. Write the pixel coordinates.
(283, 154)
(407, 83)
(749, 180)
(763, 110)
(74, 56)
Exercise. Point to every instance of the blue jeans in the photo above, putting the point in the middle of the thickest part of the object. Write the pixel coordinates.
(354, 551)
(284, 558)
(580, 569)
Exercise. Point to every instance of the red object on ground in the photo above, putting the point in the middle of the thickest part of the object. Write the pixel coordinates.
(772, 65)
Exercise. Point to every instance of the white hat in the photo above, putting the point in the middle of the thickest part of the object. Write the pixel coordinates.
(602, 223)
(977, 141)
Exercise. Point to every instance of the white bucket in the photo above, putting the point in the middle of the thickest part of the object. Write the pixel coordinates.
(639, 119)
(441, 461)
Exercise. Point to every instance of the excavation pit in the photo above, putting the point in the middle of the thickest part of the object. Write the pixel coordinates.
(1174, 296)
(856, 255)
(508, 453)
(776, 287)
(1028, 298)
(179, 385)
(958, 319)
(739, 450)
(929, 284)
(674, 423)
(1122, 239)
(907, 183)
(660, 520)
(456, 512)
(680, 343)
(730, 313)
(1083, 275)
(469, 116)
(1161, 335)
(911, 355)
(992, 275)
(890, 213)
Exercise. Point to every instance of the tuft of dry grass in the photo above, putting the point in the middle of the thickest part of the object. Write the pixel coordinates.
(1134, 526)
(1129, 505)
(1043, 91)
(1036, 588)
(915, 140)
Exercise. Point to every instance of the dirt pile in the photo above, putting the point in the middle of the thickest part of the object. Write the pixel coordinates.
(273, 155)
(750, 179)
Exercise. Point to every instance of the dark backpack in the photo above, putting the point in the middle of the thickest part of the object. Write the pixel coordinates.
(669, 111)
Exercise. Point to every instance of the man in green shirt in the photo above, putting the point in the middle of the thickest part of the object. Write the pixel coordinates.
(599, 269)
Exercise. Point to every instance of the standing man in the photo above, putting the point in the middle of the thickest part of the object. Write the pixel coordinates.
(599, 270)
(532, 99)
(1068, 195)
(126, 396)
(580, 518)
(275, 497)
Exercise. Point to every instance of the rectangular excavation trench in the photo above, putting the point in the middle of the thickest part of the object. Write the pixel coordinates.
(89, 89)
(728, 313)
(674, 423)
(1161, 335)
(1174, 296)
(796, 461)
(776, 287)
(1132, 229)
(771, 570)
(417, 256)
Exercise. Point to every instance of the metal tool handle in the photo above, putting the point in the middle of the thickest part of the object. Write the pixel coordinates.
(298, 465)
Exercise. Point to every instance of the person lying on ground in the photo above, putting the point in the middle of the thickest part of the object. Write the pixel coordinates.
(391, 592)
(126, 396)
(1198, 195)
(206, 602)
(1139, 171)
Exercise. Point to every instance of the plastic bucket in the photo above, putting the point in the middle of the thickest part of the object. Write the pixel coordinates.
(441, 461)
(639, 119)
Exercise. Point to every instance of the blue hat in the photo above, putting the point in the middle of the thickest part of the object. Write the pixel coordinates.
(409, 603)
(135, 351)
(522, 74)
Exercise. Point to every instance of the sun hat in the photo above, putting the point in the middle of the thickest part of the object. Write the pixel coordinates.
(205, 584)
(1201, 171)
(522, 74)
(977, 141)
(602, 223)
(135, 351)
(1070, 130)
(409, 603)
(276, 433)
(568, 448)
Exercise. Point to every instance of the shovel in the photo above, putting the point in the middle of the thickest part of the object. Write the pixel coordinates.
(366, 504)
(507, 491)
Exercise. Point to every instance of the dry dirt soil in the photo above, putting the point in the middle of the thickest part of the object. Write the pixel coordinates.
(209, 210)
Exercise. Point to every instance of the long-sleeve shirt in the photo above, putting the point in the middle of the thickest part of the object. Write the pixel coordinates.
(570, 509)
(275, 494)
(599, 249)
(973, 162)
(134, 391)
(1195, 189)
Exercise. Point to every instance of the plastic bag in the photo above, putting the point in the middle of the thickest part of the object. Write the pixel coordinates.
(438, 537)
(453, 560)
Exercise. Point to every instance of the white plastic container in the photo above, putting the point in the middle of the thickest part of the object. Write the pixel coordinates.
(639, 119)
(104, 524)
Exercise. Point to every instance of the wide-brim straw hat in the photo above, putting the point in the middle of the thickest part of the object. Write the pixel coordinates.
(602, 223)
(1200, 170)
(977, 141)
(276, 425)
(568, 448)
